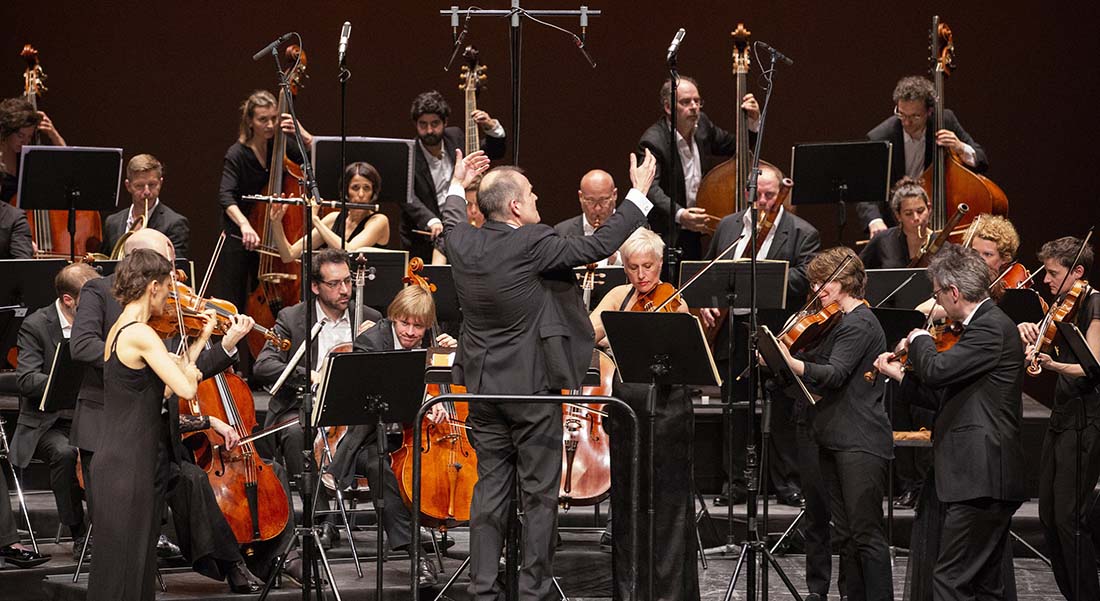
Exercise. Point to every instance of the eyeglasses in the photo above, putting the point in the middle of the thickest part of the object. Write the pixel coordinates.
(598, 202)
(334, 284)
(936, 293)
(907, 117)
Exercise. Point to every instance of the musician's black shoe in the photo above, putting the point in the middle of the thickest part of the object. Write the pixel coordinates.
(426, 574)
(329, 535)
(907, 500)
(242, 581)
(739, 496)
(605, 541)
(167, 549)
(793, 500)
(78, 544)
(22, 558)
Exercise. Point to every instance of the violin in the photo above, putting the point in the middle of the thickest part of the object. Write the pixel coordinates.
(1015, 277)
(1062, 309)
(945, 335)
(663, 297)
(192, 309)
(806, 328)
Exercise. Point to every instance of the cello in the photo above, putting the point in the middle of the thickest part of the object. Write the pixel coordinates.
(50, 228)
(947, 181)
(278, 282)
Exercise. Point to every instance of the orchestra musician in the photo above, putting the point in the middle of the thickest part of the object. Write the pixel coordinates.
(15, 234)
(910, 131)
(1073, 432)
(790, 239)
(975, 387)
(363, 228)
(45, 434)
(408, 317)
(524, 331)
(701, 145)
(850, 428)
(598, 196)
(19, 122)
(245, 171)
(144, 179)
(675, 575)
(900, 244)
(332, 287)
(996, 241)
(436, 142)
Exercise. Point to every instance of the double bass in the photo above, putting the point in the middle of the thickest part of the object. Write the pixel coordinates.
(947, 181)
(278, 282)
(473, 79)
(50, 228)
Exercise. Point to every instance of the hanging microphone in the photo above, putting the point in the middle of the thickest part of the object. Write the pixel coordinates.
(345, 33)
(779, 55)
(461, 39)
(674, 47)
(267, 49)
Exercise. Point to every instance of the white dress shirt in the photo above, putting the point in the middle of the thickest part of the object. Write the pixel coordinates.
(66, 327)
(332, 333)
(442, 168)
(765, 246)
(693, 170)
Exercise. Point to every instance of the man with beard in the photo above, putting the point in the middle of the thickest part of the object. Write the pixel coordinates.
(436, 143)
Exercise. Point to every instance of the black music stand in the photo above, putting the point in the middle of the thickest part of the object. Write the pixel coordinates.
(29, 282)
(903, 288)
(659, 349)
(1023, 305)
(69, 178)
(347, 398)
(606, 278)
(11, 319)
(840, 172)
(385, 270)
(781, 373)
(897, 323)
(61, 388)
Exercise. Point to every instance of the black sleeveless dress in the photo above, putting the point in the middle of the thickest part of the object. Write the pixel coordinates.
(127, 510)
(676, 575)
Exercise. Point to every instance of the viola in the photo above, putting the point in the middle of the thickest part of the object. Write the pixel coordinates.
(278, 282)
(945, 335)
(1063, 308)
(806, 328)
(248, 492)
(192, 308)
(663, 297)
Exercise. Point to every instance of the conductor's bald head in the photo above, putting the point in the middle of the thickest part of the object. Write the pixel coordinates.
(152, 240)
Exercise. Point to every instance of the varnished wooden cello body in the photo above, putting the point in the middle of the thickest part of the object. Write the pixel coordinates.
(948, 182)
(279, 283)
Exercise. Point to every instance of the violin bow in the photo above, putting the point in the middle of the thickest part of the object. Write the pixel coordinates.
(181, 349)
(812, 298)
(706, 267)
(213, 262)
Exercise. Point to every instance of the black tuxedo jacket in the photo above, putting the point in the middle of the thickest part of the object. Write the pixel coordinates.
(290, 323)
(524, 329)
(15, 233)
(424, 206)
(97, 312)
(891, 131)
(574, 226)
(975, 386)
(162, 218)
(38, 337)
(888, 250)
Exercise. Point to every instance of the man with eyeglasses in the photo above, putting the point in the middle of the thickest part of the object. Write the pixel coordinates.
(598, 197)
(701, 145)
(144, 177)
(910, 130)
(332, 286)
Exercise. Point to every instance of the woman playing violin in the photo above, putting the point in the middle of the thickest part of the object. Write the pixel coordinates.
(675, 576)
(1074, 428)
(897, 246)
(139, 373)
(363, 228)
(850, 428)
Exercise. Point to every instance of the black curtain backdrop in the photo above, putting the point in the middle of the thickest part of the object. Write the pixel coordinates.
(167, 77)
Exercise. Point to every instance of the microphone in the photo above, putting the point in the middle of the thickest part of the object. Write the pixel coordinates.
(580, 46)
(777, 54)
(461, 39)
(267, 49)
(674, 47)
(345, 33)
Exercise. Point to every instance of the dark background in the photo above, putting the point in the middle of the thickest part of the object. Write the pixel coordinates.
(166, 78)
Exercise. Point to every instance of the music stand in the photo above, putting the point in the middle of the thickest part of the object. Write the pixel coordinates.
(897, 323)
(720, 285)
(61, 389)
(11, 319)
(840, 172)
(781, 373)
(659, 349)
(385, 270)
(605, 278)
(29, 282)
(69, 178)
(1023, 305)
(346, 398)
(447, 309)
(893, 288)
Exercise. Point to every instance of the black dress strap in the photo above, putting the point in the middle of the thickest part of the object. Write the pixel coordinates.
(626, 299)
(114, 343)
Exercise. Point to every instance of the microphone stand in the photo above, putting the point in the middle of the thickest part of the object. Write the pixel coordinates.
(672, 251)
(343, 78)
(754, 549)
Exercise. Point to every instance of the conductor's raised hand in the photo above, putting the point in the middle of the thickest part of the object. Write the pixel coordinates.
(468, 168)
(641, 175)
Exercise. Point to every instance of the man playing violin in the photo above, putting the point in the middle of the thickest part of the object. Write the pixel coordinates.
(598, 196)
(975, 388)
(701, 145)
(19, 122)
(790, 239)
(910, 130)
(144, 178)
(1073, 433)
